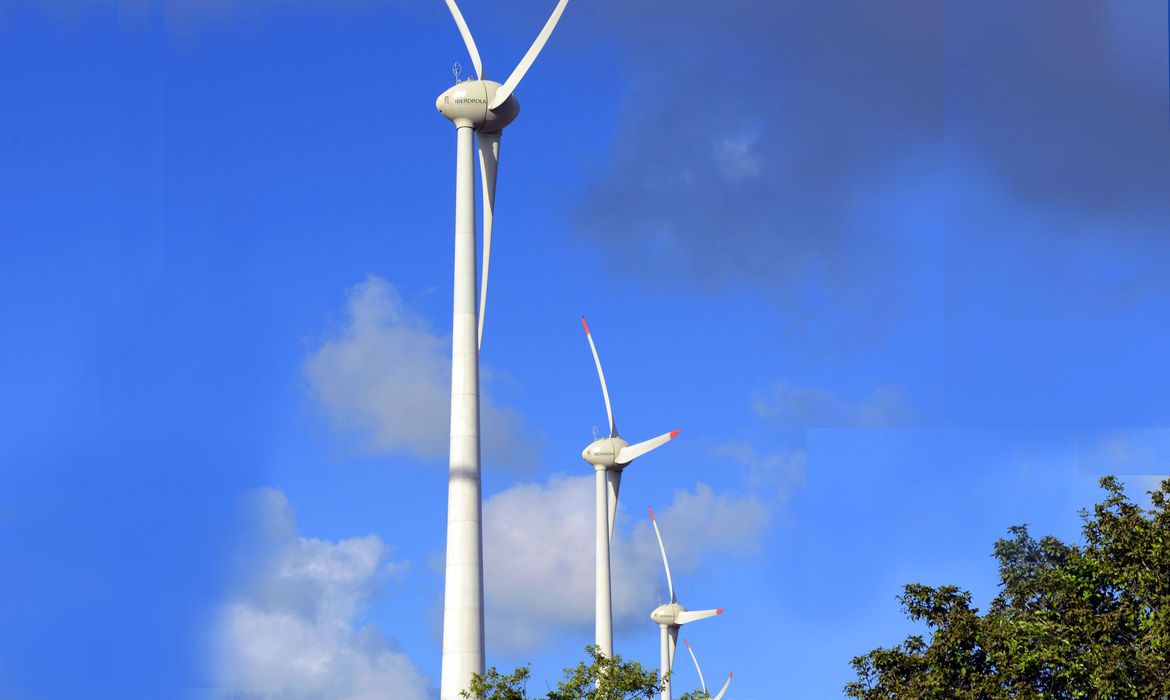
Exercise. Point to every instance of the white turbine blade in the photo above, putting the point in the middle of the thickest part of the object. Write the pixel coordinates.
(724, 690)
(601, 375)
(467, 38)
(526, 62)
(614, 478)
(702, 683)
(672, 634)
(630, 452)
(489, 161)
(691, 615)
(662, 548)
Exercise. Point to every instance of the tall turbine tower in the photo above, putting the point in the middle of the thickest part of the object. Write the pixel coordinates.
(477, 107)
(670, 616)
(609, 457)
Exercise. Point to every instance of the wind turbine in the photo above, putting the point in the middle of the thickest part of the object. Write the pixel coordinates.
(477, 107)
(703, 683)
(670, 616)
(609, 457)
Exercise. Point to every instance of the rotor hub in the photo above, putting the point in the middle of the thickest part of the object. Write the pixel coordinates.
(467, 104)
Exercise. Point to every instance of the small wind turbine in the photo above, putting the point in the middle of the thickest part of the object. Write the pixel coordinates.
(482, 107)
(670, 616)
(703, 683)
(609, 457)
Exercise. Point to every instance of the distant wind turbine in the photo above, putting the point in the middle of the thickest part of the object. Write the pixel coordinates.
(609, 457)
(703, 683)
(670, 616)
(477, 107)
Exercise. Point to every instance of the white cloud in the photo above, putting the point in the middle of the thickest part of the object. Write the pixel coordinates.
(1139, 456)
(386, 376)
(737, 158)
(186, 17)
(783, 470)
(292, 632)
(806, 407)
(1125, 451)
(539, 564)
(1147, 483)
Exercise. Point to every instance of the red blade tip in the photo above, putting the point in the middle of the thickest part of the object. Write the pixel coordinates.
(687, 643)
(719, 611)
(651, 512)
(673, 433)
(585, 324)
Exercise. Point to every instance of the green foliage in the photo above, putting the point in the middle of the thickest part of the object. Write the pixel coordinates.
(1070, 621)
(600, 678)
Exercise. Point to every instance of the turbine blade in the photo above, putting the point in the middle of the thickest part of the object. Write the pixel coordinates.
(630, 452)
(489, 162)
(614, 478)
(525, 63)
(724, 690)
(662, 548)
(601, 375)
(467, 39)
(702, 683)
(691, 615)
(672, 633)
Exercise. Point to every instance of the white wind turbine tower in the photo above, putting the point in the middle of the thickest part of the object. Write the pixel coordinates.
(609, 457)
(477, 107)
(703, 683)
(670, 616)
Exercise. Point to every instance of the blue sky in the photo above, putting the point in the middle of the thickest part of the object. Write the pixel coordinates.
(896, 271)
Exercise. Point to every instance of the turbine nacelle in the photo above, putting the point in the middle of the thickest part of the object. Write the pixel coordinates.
(603, 453)
(467, 104)
(667, 614)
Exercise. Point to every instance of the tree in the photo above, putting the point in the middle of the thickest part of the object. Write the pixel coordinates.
(601, 678)
(1070, 621)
